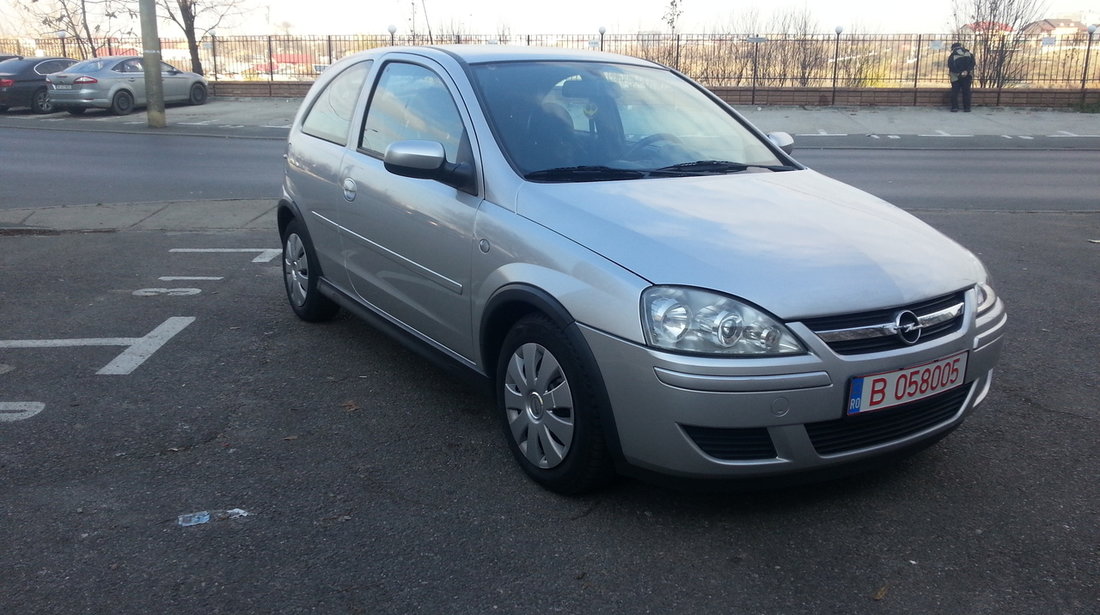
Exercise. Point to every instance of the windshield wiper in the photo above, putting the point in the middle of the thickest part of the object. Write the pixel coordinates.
(716, 167)
(584, 174)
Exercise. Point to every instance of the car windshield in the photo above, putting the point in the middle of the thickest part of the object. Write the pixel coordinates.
(592, 121)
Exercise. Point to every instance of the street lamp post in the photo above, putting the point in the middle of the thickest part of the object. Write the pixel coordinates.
(603, 31)
(392, 30)
(1088, 53)
(61, 34)
(836, 59)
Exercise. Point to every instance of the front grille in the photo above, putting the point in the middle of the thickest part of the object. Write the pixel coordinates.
(884, 317)
(732, 444)
(863, 430)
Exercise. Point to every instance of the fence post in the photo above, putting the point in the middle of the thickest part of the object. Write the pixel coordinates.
(836, 60)
(677, 52)
(270, 67)
(916, 71)
(214, 53)
(1002, 73)
(1085, 73)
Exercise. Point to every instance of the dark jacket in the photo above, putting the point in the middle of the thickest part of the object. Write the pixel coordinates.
(960, 63)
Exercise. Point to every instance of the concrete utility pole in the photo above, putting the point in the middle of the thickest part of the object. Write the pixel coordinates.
(154, 83)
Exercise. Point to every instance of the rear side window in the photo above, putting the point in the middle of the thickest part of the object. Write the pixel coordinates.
(329, 117)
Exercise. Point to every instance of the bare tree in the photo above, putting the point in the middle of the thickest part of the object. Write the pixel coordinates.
(672, 14)
(87, 23)
(197, 18)
(992, 28)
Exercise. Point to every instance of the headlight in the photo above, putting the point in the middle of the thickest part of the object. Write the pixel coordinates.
(699, 321)
(987, 298)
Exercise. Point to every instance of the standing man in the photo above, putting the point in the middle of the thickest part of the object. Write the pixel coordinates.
(960, 67)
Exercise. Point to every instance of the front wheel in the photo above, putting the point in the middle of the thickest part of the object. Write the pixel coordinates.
(198, 94)
(122, 103)
(550, 409)
(301, 275)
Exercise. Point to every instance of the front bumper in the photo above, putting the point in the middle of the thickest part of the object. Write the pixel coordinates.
(704, 417)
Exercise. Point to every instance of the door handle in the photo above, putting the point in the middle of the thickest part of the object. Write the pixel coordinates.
(349, 189)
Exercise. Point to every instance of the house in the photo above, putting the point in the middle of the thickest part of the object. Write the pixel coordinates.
(1057, 29)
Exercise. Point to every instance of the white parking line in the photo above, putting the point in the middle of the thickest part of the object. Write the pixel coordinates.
(189, 278)
(138, 348)
(944, 133)
(18, 410)
(266, 255)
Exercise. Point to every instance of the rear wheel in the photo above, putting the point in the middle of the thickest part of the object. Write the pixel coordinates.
(301, 275)
(122, 103)
(549, 406)
(198, 94)
(40, 102)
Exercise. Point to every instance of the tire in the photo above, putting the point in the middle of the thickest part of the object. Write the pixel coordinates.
(76, 110)
(550, 409)
(198, 95)
(301, 274)
(40, 102)
(122, 103)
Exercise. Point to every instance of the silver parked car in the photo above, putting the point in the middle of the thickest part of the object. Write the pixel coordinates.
(649, 284)
(117, 83)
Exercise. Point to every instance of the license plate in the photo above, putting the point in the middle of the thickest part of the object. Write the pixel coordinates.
(62, 87)
(888, 389)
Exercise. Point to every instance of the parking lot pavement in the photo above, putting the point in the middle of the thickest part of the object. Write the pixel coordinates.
(171, 216)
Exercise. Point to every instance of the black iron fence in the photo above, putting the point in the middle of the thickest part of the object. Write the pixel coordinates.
(849, 61)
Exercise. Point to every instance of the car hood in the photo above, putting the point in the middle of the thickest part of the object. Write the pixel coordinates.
(796, 243)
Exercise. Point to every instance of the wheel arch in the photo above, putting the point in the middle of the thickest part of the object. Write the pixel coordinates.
(511, 303)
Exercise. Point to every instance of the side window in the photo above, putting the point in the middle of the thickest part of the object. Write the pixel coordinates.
(330, 116)
(412, 102)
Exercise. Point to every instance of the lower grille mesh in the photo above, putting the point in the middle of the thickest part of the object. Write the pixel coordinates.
(859, 431)
(732, 444)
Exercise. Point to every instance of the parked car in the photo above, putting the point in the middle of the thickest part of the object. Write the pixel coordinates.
(649, 284)
(23, 82)
(117, 83)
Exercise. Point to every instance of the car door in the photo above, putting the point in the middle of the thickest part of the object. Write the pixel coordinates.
(177, 84)
(315, 153)
(130, 74)
(409, 241)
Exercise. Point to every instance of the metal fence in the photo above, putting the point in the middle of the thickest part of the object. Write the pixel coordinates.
(851, 61)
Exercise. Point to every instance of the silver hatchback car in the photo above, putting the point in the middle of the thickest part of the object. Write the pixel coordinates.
(649, 284)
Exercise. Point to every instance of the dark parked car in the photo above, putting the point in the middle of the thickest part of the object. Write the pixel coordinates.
(23, 82)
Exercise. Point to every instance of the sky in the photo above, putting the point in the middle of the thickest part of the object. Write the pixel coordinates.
(617, 16)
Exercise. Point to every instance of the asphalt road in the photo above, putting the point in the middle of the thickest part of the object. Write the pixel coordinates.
(375, 483)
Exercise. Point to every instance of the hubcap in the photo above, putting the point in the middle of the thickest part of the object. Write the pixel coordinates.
(296, 269)
(539, 405)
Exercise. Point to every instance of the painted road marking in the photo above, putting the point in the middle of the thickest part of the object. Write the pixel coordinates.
(944, 133)
(171, 292)
(138, 349)
(18, 410)
(190, 278)
(266, 255)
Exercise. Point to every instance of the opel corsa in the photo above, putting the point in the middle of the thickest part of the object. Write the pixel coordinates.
(649, 283)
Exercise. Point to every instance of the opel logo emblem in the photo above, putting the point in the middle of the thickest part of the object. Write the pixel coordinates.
(908, 327)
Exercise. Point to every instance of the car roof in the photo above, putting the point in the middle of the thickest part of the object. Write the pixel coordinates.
(479, 54)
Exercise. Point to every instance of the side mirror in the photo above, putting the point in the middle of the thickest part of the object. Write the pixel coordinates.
(428, 160)
(782, 140)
